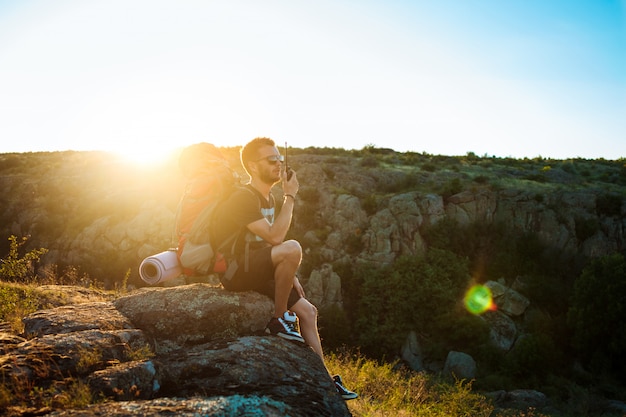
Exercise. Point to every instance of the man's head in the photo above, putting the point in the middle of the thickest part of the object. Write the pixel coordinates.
(261, 159)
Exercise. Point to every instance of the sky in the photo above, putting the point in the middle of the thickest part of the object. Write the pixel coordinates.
(504, 78)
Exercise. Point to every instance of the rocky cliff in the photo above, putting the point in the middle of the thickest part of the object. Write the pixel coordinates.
(105, 216)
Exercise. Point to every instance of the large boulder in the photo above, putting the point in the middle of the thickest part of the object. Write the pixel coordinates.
(508, 300)
(460, 366)
(195, 313)
(412, 352)
(74, 318)
(324, 287)
(502, 330)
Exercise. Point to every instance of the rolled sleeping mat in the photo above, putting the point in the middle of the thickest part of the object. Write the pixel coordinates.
(160, 267)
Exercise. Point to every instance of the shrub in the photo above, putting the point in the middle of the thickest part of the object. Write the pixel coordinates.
(16, 302)
(415, 293)
(334, 327)
(370, 162)
(429, 167)
(370, 204)
(586, 228)
(452, 187)
(609, 205)
(597, 312)
(15, 268)
(481, 179)
(533, 357)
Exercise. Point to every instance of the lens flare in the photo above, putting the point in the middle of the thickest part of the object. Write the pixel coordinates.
(478, 299)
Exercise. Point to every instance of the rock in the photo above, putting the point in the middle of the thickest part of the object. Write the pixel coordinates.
(254, 365)
(223, 370)
(54, 356)
(432, 209)
(126, 381)
(502, 330)
(74, 318)
(616, 406)
(8, 341)
(196, 313)
(236, 405)
(523, 399)
(507, 299)
(467, 207)
(412, 352)
(323, 287)
(460, 365)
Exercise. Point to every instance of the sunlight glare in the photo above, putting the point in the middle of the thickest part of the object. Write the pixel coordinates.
(140, 155)
(478, 300)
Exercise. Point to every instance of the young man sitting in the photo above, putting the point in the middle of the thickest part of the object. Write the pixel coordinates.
(267, 263)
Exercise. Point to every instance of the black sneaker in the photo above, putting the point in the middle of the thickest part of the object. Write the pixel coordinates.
(345, 393)
(284, 327)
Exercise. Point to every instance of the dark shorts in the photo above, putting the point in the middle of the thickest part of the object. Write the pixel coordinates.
(260, 276)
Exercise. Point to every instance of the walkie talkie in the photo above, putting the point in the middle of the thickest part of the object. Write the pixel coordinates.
(287, 167)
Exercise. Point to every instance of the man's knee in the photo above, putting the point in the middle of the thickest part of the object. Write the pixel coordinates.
(305, 309)
(293, 247)
(289, 250)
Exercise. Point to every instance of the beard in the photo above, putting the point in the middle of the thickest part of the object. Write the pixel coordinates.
(270, 176)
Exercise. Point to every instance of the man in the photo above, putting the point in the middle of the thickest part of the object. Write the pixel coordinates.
(267, 263)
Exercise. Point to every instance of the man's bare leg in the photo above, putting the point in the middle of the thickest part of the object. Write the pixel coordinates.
(307, 314)
(286, 257)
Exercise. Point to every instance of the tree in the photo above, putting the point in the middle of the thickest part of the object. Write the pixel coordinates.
(597, 312)
(421, 293)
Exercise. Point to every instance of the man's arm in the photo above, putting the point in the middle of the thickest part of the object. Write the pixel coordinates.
(275, 233)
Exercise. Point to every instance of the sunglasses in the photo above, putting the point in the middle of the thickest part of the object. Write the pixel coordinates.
(272, 159)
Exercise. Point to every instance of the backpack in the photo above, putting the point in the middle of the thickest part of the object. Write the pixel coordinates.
(205, 190)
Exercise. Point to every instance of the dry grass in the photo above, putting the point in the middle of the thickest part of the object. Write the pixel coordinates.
(388, 390)
(19, 300)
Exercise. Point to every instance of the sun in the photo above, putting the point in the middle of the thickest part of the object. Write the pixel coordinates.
(142, 155)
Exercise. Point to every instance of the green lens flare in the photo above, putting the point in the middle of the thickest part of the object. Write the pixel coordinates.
(478, 299)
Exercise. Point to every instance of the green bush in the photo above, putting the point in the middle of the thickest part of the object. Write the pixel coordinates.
(481, 179)
(415, 293)
(597, 312)
(370, 162)
(533, 357)
(609, 205)
(369, 203)
(429, 167)
(334, 327)
(15, 268)
(452, 187)
(586, 227)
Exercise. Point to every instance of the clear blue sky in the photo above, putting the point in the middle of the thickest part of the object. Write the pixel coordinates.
(520, 78)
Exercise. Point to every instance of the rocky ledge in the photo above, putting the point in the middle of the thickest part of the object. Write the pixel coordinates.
(188, 350)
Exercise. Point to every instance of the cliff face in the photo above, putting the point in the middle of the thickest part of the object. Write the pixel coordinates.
(104, 216)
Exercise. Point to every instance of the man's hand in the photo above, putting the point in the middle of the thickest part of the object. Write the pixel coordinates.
(290, 186)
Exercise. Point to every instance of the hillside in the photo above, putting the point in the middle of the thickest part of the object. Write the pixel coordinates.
(392, 243)
(59, 198)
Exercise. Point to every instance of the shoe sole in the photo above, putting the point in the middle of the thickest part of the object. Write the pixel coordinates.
(286, 336)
